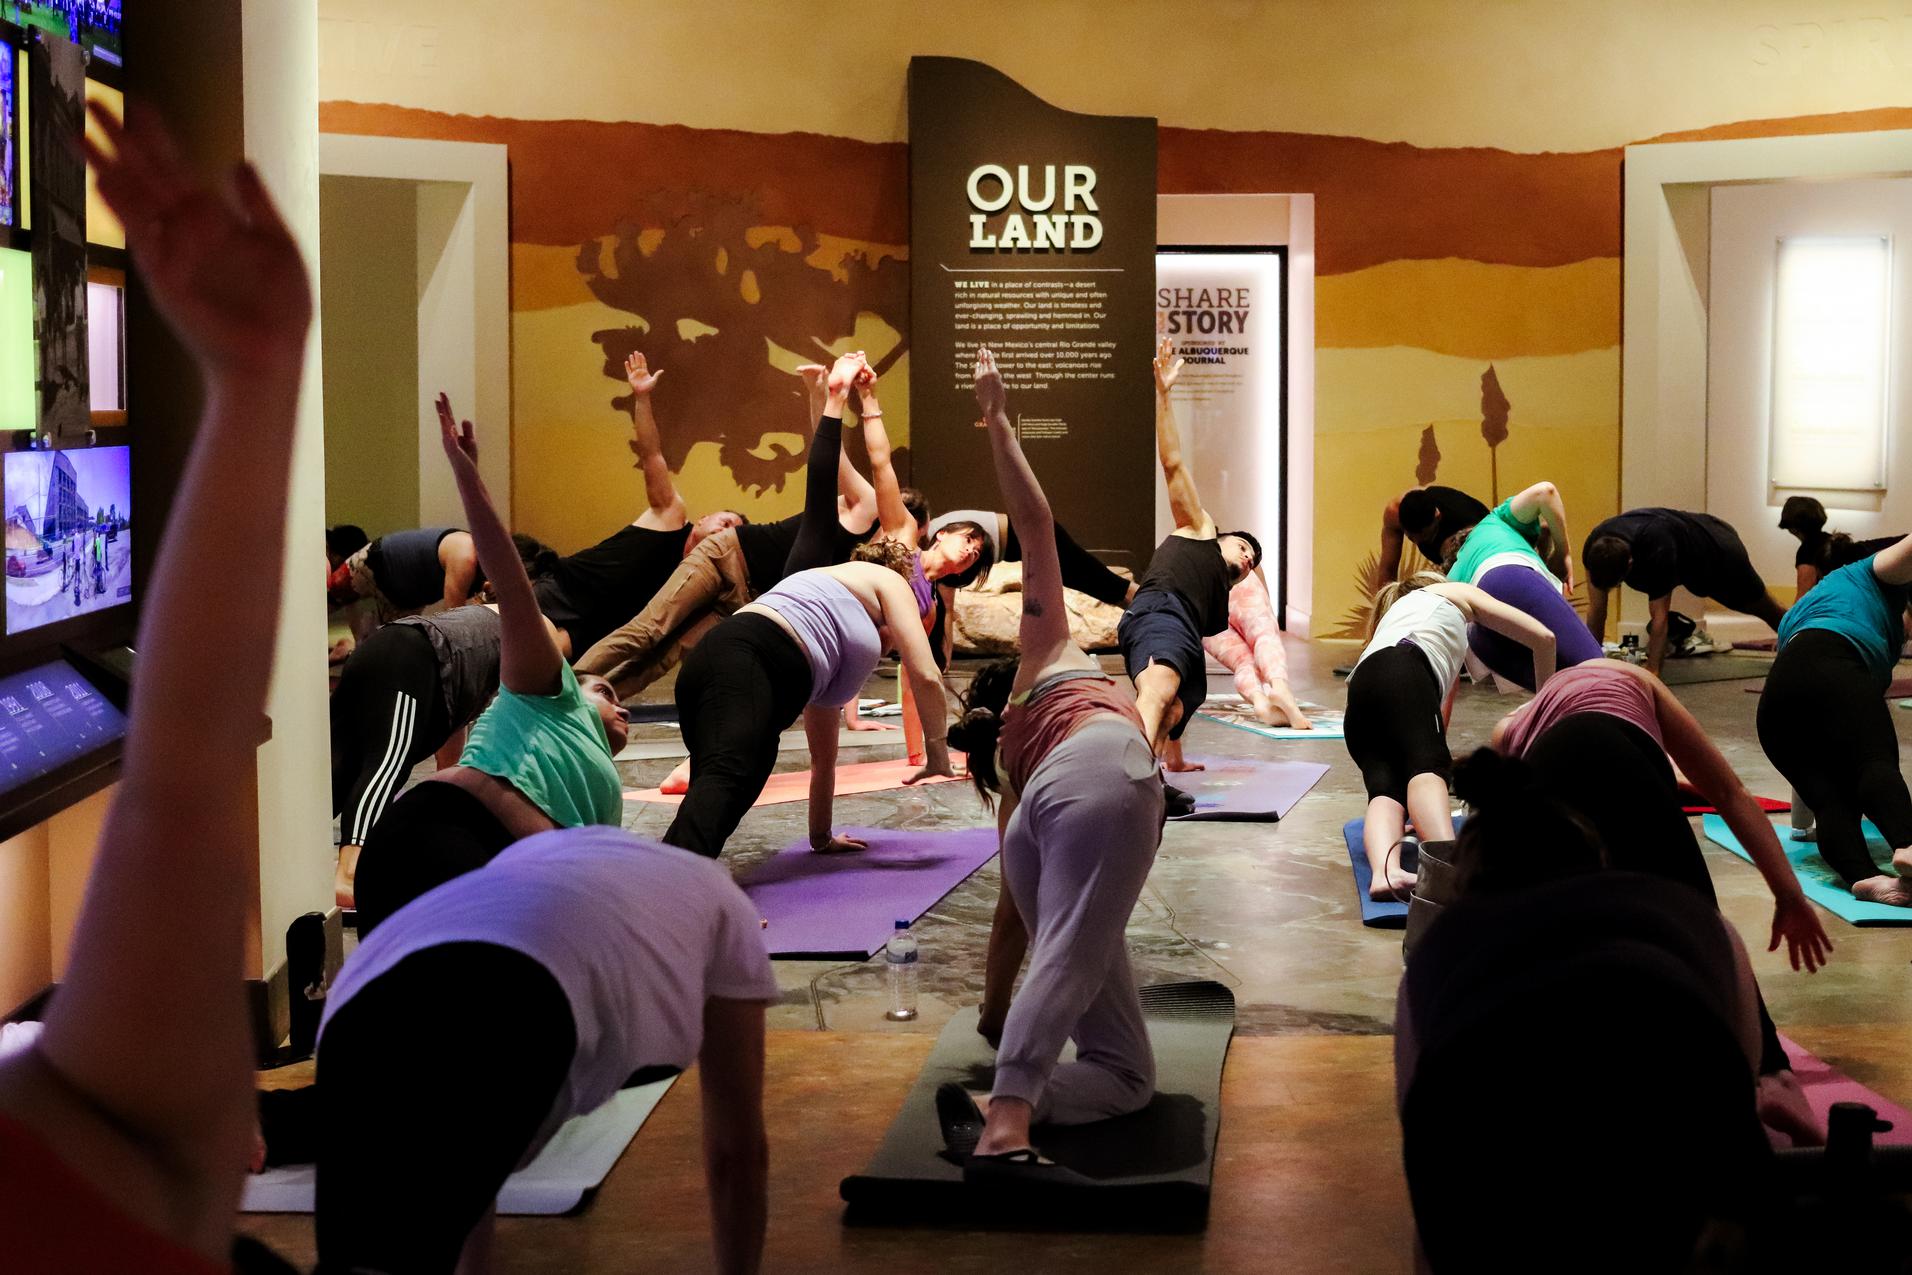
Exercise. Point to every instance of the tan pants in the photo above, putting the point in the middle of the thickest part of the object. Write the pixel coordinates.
(709, 584)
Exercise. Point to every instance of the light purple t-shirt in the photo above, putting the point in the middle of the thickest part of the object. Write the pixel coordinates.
(840, 640)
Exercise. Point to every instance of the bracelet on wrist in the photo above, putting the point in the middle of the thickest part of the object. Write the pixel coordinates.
(868, 416)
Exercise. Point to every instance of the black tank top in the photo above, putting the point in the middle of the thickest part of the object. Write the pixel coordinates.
(1195, 572)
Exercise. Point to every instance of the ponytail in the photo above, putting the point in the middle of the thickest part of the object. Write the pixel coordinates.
(1394, 590)
(978, 731)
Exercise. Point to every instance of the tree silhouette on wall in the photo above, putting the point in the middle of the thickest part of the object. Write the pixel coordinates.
(1430, 458)
(1493, 425)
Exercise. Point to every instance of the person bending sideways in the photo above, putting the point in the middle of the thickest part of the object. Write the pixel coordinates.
(1657, 550)
(589, 593)
(1529, 992)
(805, 648)
(1251, 648)
(1606, 728)
(1399, 697)
(538, 758)
(405, 572)
(1081, 817)
(124, 1128)
(1081, 570)
(1427, 518)
(1826, 725)
(1498, 556)
(1822, 552)
(408, 692)
(604, 959)
(1183, 597)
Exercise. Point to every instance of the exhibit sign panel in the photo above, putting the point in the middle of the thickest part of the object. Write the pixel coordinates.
(1032, 231)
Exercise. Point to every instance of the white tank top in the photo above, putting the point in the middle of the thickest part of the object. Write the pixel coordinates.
(1434, 624)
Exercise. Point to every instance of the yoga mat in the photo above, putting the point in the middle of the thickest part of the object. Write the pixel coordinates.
(844, 907)
(1326, 721)
(1379, 916)
(1237, 788)
(578, 1158)
(1152, 1169)
(1821, 883)
(789, 741)
(1714, 668)
(794, 785)
(1825, 1084)
(1771, 805)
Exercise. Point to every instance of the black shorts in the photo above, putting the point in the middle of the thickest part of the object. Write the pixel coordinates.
(1734, 582)
(1157, 629)
(432, 833)
(1393, 721)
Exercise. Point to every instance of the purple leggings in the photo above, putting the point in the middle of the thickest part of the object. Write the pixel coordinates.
(1526, 589)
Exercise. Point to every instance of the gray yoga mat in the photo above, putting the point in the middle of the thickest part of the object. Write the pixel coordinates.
(1153, 1169)
(1714, 668)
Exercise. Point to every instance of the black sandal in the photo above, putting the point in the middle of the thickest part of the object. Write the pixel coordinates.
(1024, 1167)
(960, 1118)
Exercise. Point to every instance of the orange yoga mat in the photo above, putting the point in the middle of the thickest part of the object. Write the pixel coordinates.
(794, 785)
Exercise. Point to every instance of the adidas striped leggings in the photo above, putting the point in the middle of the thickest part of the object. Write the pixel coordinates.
(387, 716)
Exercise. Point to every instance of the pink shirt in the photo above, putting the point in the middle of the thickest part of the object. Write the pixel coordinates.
(1597, 686)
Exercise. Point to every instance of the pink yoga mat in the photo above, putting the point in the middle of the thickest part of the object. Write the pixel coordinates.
(1825, 1085)
(794, 785)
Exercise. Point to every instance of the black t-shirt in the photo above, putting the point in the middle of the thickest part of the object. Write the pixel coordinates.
(1195, 572)
(766, 546)
(1816, 551)
(1673, 548)
(591, 592)
(1454, 509)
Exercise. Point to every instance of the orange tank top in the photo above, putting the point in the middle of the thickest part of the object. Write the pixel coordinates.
(1055, 708)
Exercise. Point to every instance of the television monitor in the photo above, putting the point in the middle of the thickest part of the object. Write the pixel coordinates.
(106, 344)
(50, 715)
(18, 366)
(69, 533)
(10, 139)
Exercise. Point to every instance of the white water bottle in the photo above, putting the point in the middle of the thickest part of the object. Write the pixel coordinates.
(900, 952)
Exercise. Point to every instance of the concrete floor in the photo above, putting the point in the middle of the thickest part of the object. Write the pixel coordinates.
(1308, 1164)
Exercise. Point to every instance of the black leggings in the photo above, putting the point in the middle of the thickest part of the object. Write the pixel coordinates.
(388, 714)
(740, 689)
(1825, 723)
(819, 534)
(412, 1151)
(1081, 570)
(1618, 778)
(433, 833)
(1393, 721)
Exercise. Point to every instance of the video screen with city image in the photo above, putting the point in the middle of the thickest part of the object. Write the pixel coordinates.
(69, 533)
(10, 139)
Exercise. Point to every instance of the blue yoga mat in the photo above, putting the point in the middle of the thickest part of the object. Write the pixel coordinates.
(1381, 916)
(1823, 885)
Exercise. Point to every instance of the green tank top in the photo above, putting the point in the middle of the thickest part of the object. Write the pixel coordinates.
(553, 749)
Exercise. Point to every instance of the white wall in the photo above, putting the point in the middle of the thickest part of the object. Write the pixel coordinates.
(1747, 220)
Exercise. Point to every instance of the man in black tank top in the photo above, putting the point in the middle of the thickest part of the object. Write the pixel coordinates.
(1184, 595)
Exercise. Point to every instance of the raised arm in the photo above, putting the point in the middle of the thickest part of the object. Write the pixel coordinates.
(1542, 500)
(1483, 608)
(1044, 632)
(529, 661)
(142, 1079)
(1893, 564)
(666, 511)
(1183, 500)
(891, 512)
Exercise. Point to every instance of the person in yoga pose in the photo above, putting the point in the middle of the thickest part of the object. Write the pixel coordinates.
(1533, 989)
(1498, 556)
(538, 758)
(125, 1126)
(405, 572)
(1822, 552)
(408, 692)
(1080, 817)
(1183, 597)
(805, 647)
(1399, 697)
(1251, 648)
(1425, 517)
(1606, 727)
(607, 960)
(1657, 550)
(1825, 723)
(590, 593)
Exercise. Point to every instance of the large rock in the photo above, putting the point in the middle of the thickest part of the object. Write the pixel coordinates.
(988, 616)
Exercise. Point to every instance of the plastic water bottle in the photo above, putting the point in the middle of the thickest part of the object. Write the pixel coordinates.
(900, 952)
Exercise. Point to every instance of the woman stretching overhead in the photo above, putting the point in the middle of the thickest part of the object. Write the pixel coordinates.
(1497, 554)
(807, 646)
(1398, 700)
(1081, 817)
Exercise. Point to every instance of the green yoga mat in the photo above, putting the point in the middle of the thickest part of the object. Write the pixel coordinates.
(1823, 885)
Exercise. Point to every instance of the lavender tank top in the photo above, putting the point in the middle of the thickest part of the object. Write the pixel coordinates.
(839, 638)
(919, 585)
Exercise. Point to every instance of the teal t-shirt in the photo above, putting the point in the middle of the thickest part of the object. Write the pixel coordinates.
(1499, 532)
(553, 749)
(1856, 605)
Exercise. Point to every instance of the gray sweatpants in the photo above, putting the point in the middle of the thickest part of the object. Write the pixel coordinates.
(1075, 856)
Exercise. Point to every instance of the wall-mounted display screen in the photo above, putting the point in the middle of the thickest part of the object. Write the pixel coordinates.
(106, 344)
(69, 533)
(10, 139)
(93, 23)
(19, 368)
(50, 715)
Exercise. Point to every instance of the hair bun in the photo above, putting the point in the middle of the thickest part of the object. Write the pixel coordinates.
(976, 731)
(1485, 779)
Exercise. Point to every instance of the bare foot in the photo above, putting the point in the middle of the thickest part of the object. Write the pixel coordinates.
(1394, 889)
(1782, 1106)
(678, 781)
(344, 876)
(1286, 706)
(1892, 891)
(1902, 861)
(1175, 762)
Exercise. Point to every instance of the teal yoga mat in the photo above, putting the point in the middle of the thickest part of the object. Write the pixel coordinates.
(1822, 884)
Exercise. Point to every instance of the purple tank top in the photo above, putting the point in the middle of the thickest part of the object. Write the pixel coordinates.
(839, 638)
(1597, 686)
(919, 585)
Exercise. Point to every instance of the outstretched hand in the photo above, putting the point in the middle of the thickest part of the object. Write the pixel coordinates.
(1796, 921)
(990, 394)
(221, 266)
(1167, 366)
(639, 374)
(846, 372)
(461, 445)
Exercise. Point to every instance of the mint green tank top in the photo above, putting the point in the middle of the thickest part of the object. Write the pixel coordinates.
(553, 749)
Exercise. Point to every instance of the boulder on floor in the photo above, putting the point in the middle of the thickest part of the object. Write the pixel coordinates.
(988, 616)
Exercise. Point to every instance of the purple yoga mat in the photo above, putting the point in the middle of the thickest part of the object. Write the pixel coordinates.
(846, 906)
(1238, 788)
